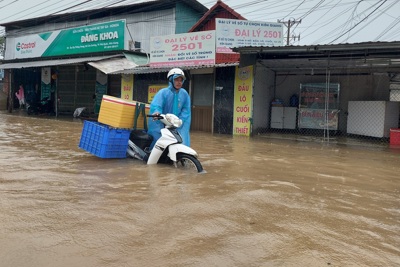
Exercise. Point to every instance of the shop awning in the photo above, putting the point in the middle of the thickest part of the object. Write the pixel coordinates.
(119, 64)
(317, 59)
(111, 65)
(53, 62)
(147, 69)
(138, 59)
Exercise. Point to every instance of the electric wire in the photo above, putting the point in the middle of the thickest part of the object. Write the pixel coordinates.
(358, 22)
(295, 9)
(320, 18)
(340, 27)
(351, 26)
(351, 18)
(31, 12)
(279, 7)
(166, 23)
(388, 28)
(312, 9)
(370, 21)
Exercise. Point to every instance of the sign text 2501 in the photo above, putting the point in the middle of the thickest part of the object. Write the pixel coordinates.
(189, 46)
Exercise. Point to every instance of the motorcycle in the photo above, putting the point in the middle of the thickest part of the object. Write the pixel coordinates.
(168, 148)
(40, 107)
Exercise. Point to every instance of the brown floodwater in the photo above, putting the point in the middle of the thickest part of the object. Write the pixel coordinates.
(263, 202)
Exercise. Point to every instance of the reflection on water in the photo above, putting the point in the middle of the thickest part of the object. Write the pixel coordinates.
(263, 202)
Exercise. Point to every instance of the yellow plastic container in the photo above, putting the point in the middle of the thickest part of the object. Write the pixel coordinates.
(120, 113)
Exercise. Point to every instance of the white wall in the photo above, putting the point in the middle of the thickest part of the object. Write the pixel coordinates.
(262, 97)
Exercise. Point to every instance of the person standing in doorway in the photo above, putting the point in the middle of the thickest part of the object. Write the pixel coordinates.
(172, 99)
(21, 96)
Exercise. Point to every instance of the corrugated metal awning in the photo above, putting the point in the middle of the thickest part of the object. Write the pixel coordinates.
(129, 61)
(138, 59)
(53, 62)
(114, 64)
(360, 57)
(147, 69)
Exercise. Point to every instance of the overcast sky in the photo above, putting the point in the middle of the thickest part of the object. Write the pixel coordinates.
(322, 21)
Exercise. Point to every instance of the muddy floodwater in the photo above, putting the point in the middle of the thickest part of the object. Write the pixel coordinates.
(263, 202)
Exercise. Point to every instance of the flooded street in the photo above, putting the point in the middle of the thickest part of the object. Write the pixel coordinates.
(262, 202)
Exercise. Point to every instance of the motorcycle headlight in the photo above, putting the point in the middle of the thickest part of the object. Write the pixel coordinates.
(174, 120)
(177, 123)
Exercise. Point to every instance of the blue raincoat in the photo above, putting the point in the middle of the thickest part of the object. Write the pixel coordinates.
(167, 100)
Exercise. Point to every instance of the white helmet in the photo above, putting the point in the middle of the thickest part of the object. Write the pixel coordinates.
(177, 71)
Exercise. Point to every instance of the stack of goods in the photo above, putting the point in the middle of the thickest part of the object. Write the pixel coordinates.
(276, 102)
(108, 138)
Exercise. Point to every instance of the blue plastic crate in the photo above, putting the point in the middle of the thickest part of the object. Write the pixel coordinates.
(104, 141)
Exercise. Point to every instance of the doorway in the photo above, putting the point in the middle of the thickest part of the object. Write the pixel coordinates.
(202, 102)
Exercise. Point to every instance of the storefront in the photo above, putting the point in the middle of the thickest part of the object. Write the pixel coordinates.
(74, 73)
(69, 83)
(326, 78)
(211, 88)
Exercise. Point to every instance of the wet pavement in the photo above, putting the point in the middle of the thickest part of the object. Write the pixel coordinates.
(263, 202)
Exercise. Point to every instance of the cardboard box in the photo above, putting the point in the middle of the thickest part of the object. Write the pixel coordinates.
(120, 113)
(104, 141)
(394, 136)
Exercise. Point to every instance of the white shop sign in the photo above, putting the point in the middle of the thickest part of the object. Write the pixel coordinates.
(187, 49)
(239, 33)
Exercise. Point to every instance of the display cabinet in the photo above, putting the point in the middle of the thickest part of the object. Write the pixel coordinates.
(283, 117)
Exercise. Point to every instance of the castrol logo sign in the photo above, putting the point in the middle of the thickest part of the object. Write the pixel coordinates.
(22, 46)
(100, 37)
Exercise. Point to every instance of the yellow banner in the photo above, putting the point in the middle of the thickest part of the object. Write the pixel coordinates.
(127, 86)
(243, 101)
(153, 89)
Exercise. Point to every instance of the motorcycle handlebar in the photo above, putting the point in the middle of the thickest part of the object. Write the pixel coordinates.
(155, 116)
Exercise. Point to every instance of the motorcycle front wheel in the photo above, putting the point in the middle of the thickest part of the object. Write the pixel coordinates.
(30, 110)
(188, 162)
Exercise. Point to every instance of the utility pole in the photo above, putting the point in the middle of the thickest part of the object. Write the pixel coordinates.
(289, 24)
